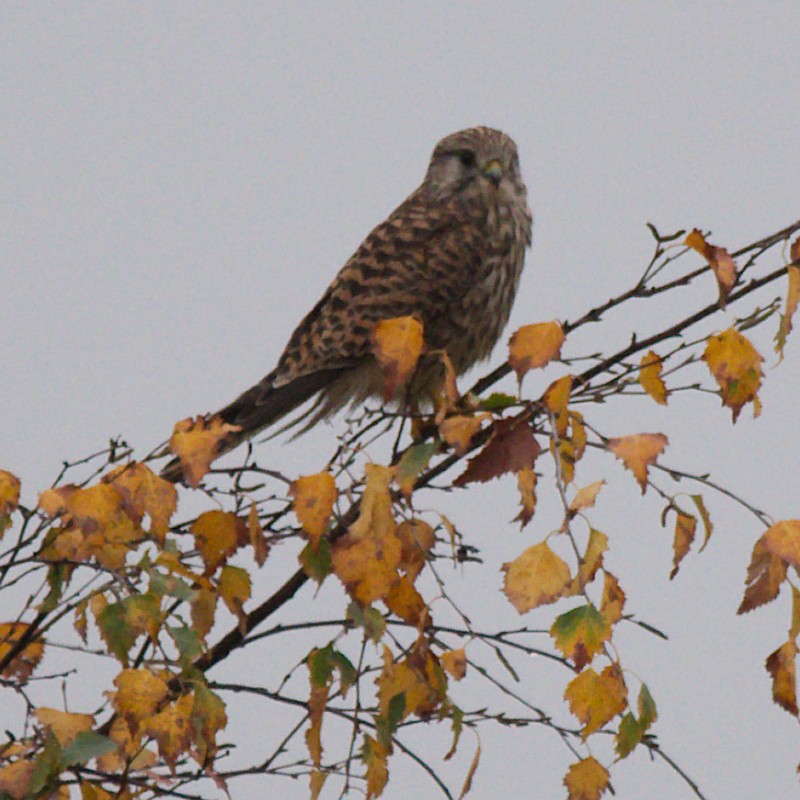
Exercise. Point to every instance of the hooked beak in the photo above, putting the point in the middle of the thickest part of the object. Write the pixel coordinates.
(493, 170)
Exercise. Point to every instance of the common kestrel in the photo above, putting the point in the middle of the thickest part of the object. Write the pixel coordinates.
(450, 255)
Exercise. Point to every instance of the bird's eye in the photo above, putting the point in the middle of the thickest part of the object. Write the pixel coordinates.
(467, 158)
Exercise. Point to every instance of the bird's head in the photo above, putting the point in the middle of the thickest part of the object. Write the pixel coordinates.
(476, 162)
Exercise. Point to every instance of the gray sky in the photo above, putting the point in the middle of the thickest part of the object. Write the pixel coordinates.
(179, 182)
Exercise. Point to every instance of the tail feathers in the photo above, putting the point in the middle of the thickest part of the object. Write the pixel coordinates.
(258, 408)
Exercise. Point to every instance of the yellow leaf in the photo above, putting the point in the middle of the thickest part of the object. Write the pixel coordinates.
(416, 541)
(53, 502)
(722, 265)
(736, 366)
(534, 346)
(197, 442)
(127, 745)
(783, 540)
(526, 484)
(650, 380)
(792, 299)
(535, 578)
(375, 757)
(143, 492)
(65, 726)
(592, 561)
(459, 430)
(455, 663)
(9, 492)
(765, 575)
(172, 729)
(405, 601)
(638, 452)
(581, 633)
(397, 345)
(317, 701)
(613, 599)
(585, 497)
(203, 608)
(15, 779)
(234, 589)
(596, 699)
(781, 666)
(316, 780)
(418, 677)
(314, 496)
(366, 558)
(208, 718)
(26, 660)
(217, 535)
(257, 539)
(587, 779)
(555, 398)
(685, 526)
(139, 693)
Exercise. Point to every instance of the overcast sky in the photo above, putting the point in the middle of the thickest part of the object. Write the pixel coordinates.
(180, 181)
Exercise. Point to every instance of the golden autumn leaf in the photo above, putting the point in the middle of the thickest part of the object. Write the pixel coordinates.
(127, 745)
(417, 539)
(366, 558)
(650, 369)
(208, 718)
(765, 574)
(587, 779)
(257, 539)
(526, 484)
(685, 526)
(736, 366)
(792, 299)
(511, 448)
(613, 599)
(217, 535)
(139, 694)
(397, 345)
(407, 603)
(314, 496)
(537, 577)
(16, 778)
(535, 346)
(455, 663)
(596, 699)
(638, 452)
(720, 261)
(317, 700)
(65, 726)
(585, 497)
(555, 399)
(783, 540)
(9, 493)
(144, 492)
(203, 607)
(172, 728)
(196, 442)
(53, 502)
(419, 678)
(375, 757)
(458, 431)
(591, 561)
(234, 589)
(781, 666)
(21, 667)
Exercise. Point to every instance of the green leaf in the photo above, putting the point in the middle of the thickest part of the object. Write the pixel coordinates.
(47, 767)
(347, 672)
(647, 708)
(187, 641)
(55, 579)
(368, 618)
(628, 736)
(169, 585)
(116, 631)
(497, 401)
(320, 665)
(414, 460)
(86, 746)
(317, 563)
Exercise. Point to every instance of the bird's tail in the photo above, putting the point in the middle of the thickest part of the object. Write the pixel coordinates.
(259, 407)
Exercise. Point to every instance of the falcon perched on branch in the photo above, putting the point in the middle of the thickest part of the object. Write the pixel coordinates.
(451, 256)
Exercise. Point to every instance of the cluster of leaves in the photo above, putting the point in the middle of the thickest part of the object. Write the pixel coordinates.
(107, 550)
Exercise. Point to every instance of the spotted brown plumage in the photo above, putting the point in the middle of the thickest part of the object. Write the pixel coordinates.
(450, 255)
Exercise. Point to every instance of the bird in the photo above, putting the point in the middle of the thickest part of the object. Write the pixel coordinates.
(450, 255)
